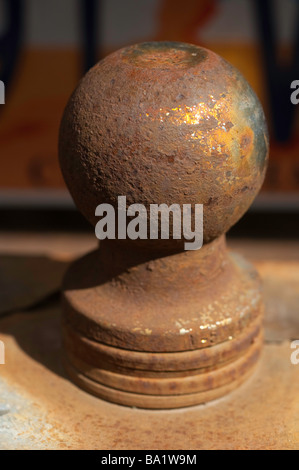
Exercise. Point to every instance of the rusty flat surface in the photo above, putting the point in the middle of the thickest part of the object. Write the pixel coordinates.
(40, 408)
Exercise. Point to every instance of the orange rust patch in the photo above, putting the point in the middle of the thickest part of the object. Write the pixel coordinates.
(246, 141)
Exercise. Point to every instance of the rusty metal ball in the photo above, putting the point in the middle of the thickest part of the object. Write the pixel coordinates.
(165, 122)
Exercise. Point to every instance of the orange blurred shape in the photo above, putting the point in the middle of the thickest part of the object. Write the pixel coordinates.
(179, 21)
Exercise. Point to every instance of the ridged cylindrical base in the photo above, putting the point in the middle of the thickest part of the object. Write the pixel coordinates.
(131, 342)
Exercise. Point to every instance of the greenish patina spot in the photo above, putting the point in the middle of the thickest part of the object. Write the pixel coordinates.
(165, 53)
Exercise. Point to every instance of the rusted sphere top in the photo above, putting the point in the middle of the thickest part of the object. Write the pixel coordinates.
(165, 123)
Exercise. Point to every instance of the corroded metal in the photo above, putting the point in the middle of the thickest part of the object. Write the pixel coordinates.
(261, 414)
(146, 323)
(165, 123)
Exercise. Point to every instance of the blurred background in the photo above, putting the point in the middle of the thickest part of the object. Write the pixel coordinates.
(46, 46)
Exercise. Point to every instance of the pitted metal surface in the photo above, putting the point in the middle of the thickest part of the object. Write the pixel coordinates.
(44, 409)
(164, 123)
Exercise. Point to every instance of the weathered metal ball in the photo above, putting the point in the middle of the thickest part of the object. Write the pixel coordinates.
(165, 122)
